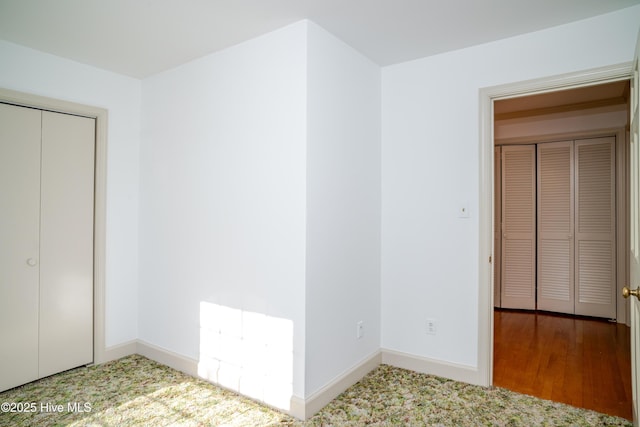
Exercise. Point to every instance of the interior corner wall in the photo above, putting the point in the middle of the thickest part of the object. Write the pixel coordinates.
(430, 168)
(223, 193)
(343, 208)
(30, 71)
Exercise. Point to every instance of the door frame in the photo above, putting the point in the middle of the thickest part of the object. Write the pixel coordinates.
(99, 226)
(487, 96)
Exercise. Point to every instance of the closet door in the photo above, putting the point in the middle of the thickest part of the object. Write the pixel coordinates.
(19, 253)
(66, 242)
(595, 245)
(518, 227)
(497, 224)
(555, 290)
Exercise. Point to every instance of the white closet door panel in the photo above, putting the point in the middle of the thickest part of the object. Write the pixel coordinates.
(519, 274)
(19, 229)
(518, 227)
(595, 201)
(594, 268)
(595, 227)
(555, 278)
(497, 225)
(555, 289)
(66, 288)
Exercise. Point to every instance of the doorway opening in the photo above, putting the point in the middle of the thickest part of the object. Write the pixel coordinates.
(488, 98)
(560, 240)
(569, 359)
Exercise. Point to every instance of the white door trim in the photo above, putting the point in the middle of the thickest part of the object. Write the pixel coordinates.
(486, 202)
(100, 114)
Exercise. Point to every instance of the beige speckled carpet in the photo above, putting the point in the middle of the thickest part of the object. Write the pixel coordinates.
(135, 391)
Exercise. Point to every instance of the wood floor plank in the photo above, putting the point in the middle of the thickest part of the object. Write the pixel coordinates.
(580, 361)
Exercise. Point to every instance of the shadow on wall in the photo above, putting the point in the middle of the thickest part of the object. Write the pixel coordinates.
(247, 352)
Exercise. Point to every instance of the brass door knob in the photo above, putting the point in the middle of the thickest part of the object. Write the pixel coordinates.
(635, 292)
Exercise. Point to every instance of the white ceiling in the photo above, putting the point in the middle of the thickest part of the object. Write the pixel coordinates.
(142, 37)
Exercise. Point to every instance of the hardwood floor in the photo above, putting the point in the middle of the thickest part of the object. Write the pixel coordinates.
(580, 361)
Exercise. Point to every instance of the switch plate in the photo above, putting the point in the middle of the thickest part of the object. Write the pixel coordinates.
(463, 210)
(360, 329)
(431, 326)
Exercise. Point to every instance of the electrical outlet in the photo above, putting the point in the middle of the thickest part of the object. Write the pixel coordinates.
(432, 326)
(360, 329)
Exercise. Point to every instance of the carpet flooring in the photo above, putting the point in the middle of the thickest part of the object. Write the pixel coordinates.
(135, 391)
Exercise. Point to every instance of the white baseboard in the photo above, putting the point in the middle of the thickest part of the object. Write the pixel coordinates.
(153, 352)
(118, 351)
(441, 368)
(190, 367)
(167, 357)
(301, 408)
(297, 408)
(319, 399)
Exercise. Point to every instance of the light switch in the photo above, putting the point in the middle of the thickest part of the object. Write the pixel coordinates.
(463, 211)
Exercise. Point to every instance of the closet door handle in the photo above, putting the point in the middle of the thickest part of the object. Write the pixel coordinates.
(32, 262)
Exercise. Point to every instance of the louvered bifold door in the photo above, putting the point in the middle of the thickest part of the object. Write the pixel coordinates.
(555, 289)
(518, 227)
(595, 248)
(497, 224)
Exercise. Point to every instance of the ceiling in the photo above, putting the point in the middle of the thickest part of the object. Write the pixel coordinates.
(139, 38)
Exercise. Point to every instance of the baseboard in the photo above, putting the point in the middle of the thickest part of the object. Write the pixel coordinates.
(458, 372)
(167, 357)
(190, 367)
(319, 399)
(297, 408)
(301, 408)
(119, 351)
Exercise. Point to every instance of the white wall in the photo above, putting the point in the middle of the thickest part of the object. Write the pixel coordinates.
(430, 165)
(34, 72)
(343, 208)
(223, 195)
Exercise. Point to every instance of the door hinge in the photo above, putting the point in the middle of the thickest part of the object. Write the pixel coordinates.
(489, 259)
